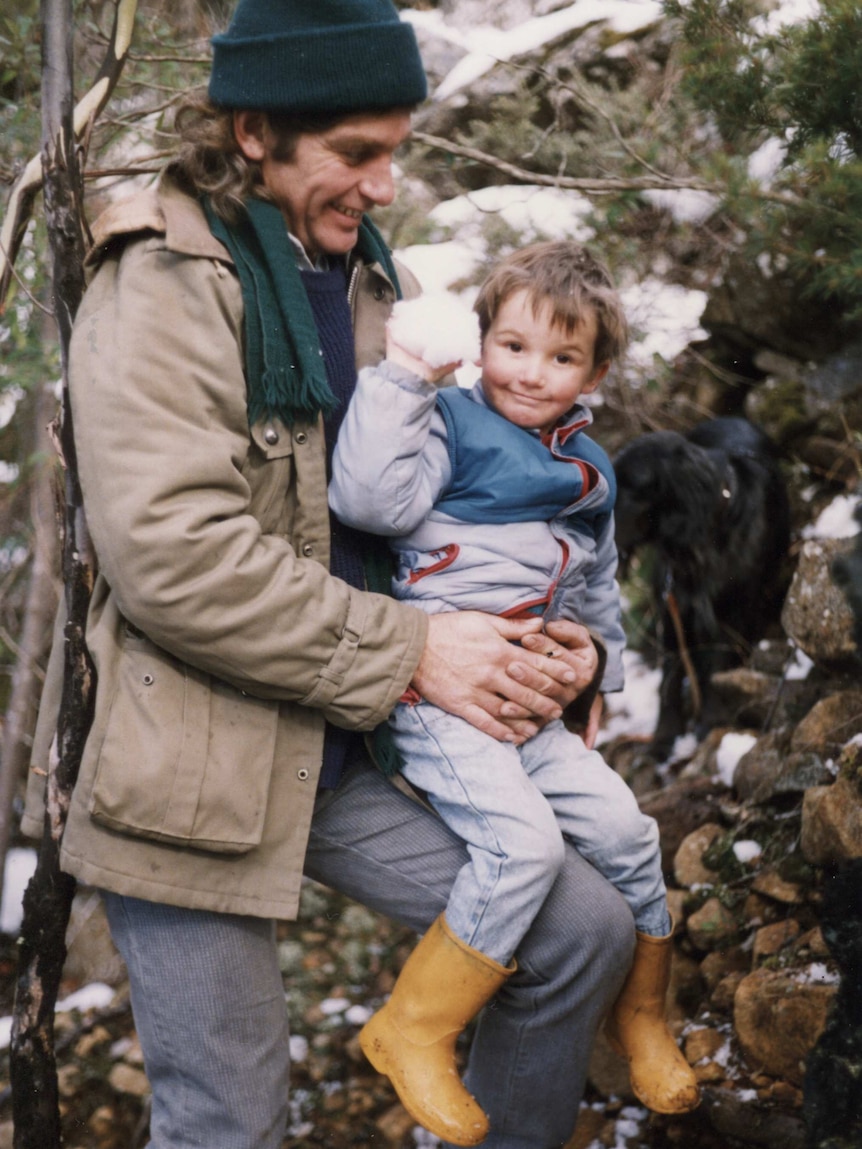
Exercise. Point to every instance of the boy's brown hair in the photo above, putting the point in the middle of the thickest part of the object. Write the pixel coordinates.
(567, 276)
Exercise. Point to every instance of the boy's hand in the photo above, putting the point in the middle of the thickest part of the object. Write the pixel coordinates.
(396, 354)
(572, 644)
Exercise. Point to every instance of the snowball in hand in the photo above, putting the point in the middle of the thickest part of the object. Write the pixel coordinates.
(436, 328)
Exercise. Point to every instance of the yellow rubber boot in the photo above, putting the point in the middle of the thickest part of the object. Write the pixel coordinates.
(661, 1078)
(443, 985)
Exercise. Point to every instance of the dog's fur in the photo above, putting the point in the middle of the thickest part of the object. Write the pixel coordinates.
(714, 507)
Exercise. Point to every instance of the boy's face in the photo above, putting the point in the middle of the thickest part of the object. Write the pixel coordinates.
(532, 370)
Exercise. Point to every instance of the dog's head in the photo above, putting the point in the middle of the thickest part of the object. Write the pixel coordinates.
(665, 489)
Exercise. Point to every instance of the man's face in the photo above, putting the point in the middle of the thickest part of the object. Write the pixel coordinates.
(533, 371)
(334, 177)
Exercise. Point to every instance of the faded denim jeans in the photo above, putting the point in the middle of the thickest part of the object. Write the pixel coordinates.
(512, 807)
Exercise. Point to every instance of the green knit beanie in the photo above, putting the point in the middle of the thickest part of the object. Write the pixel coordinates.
(317, 55)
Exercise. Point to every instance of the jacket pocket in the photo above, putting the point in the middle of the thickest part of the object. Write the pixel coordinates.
(269, 471)
(185, 759)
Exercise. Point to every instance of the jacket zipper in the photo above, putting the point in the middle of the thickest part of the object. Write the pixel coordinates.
(351, 287)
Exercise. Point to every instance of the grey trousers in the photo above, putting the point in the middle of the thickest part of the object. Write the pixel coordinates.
(209, 1004)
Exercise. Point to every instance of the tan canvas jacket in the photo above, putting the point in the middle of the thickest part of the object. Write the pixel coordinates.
(220, 642)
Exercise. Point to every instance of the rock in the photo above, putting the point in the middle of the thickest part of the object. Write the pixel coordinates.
(816, 615)
(718, 964)
(703, 1043)
(753, 311)
(752, 1122)
(813, 944)
(689, 868)
(712, 927)
(721, 998)
(770, 883)
(127, 1079)
(830, 723)
(832, 823)
(608, 1073)
(768, 770)
(771, 939)
(681, 808)
(684, 992)
(777, 1020)
(758, 767)
(676, 905)
(747, 695)
(825, 455)
(833, 387)
(394, 1125)
(778, 404)
(589, 1127)
(92, 955)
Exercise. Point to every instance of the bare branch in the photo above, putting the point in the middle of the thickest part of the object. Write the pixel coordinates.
(597, 185)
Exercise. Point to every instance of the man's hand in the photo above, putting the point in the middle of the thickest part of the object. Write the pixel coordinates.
(468, 669)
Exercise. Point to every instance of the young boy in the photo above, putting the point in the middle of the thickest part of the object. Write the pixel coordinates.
(496, 500)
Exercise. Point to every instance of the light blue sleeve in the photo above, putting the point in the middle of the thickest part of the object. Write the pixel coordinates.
(602, 609)
(391, 461)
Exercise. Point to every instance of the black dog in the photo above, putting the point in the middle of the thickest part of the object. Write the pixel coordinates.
(714, 507)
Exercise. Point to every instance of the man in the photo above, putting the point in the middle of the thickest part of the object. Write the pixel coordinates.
(237, 649)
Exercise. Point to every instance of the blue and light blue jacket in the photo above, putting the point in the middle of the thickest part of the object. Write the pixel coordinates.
(481, 514)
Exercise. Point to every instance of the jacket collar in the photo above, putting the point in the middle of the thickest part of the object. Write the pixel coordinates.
(165, 210)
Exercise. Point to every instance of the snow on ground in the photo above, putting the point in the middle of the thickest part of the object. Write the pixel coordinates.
(20, 864)
(730, 750)
(96, 995)
(836, 521)
(633, 710)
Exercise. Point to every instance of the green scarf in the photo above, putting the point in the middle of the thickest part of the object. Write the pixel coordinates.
(284, 366)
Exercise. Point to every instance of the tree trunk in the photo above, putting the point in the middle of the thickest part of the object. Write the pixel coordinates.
(48, 899)
(35, 637)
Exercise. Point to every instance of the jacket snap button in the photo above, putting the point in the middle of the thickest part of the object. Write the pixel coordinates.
(148, 680)
(379, 293)
(302, 774)
(307, 550)
(301, 437)
(271, 436)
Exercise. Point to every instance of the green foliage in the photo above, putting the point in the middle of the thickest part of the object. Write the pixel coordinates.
(19, 87)
(799, 86)
(800, 82)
